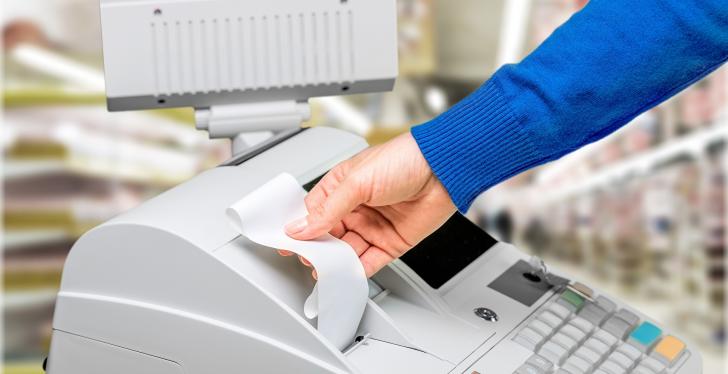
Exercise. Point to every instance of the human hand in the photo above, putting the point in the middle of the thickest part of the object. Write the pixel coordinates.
(382, 202)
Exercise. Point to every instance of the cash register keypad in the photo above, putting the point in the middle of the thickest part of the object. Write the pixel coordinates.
(574, 334)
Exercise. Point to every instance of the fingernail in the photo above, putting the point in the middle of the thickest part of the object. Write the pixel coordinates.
(304, 261)
(296, 226)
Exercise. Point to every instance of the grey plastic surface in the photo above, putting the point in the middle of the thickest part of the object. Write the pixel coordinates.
(81, 355)
(515, 285)
(202, 53)
(376, 356)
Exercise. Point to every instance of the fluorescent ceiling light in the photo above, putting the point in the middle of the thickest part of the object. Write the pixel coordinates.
(58, 66)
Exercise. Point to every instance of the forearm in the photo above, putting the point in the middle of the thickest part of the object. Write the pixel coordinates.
(606, 65)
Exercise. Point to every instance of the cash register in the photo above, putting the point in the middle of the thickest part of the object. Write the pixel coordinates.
(170, 288)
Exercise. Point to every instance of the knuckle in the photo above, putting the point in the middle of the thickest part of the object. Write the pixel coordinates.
(340, 171)
(309, 201)
(317, 212)
(357, 187)
(320, 219)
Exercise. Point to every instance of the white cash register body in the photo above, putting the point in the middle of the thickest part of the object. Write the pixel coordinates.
(170, 287)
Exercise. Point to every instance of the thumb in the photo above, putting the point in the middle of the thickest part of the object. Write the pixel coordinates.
(324, 214)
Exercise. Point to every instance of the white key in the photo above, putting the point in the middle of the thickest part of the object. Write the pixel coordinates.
(600, 371)
(628, 316)
(529, 338)
(607, 304)
(573, 332)
(553, 352)
(560, 310)
(594, 314)
(621, 360)
(564, 340)
(597, 345)
(641, 370)
(577, 365)
(528, 369)
(630, 351)
(588, 355)
(540, 363)
(655, 365)
(617, 327)
(550, 319)
(612, 368)
(541, 327)
(582, 324)
(605, 338)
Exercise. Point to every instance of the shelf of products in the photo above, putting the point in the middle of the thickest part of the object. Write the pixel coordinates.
(691, 145)
(29, 313)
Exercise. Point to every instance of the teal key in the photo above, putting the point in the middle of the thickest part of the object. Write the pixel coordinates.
(646, 334)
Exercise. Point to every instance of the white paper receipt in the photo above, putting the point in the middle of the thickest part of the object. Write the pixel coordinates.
(341, 293)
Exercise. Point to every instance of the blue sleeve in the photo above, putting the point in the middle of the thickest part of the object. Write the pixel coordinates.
(610, 62)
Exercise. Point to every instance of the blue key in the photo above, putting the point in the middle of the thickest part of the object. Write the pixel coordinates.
(646, 334)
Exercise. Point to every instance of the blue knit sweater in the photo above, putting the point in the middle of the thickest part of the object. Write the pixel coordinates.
(610, 62)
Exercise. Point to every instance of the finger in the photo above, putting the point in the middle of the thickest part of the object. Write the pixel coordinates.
(285, 253)
(304, 261)
(356, 242)
(317, 197)
(376, 229)
(321, 190)
(338, 231)
(326, 185)
(374, 259)
(314, 274)
(322, 218)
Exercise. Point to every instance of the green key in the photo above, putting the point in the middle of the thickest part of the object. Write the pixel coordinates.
(573, 298)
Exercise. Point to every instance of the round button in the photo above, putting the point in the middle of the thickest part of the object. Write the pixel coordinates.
(486, 314)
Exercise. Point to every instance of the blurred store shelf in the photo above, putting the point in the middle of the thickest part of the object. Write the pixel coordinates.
(40, 96)
(692, 145)
(24, 300)
(44, 96)
(29, 367)
(29, 312)
(16, 241)
(15, 170)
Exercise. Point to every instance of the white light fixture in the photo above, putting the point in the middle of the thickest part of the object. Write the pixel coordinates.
(55, 65)
(349, 117)
(436, 99)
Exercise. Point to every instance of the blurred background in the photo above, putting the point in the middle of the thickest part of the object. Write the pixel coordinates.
(640, 214)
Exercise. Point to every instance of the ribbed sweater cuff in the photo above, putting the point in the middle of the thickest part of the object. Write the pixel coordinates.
(476, 144)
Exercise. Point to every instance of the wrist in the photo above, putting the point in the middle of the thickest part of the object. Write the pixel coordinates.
(475, 145)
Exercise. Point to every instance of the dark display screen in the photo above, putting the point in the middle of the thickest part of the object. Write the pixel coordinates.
(448, 250)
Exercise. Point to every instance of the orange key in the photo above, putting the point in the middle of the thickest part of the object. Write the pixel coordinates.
(670, 348)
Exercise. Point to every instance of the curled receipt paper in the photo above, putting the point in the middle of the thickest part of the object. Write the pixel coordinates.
(341, 293)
